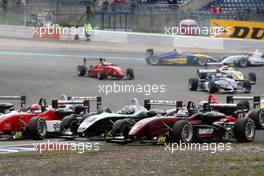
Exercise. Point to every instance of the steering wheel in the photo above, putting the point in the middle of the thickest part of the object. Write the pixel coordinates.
(43, 104)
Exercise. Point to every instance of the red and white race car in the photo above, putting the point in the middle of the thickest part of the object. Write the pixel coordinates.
(39, 120)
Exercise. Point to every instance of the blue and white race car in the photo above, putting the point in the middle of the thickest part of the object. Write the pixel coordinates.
(217, 82)
(255, 58)
(176, 58)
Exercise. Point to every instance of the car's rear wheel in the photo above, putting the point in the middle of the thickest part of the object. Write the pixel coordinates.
(37, 128)
(243, 62)
(82, 70)
(202, 61)
(182, 132)
(244, 130)
(257, 115)
(193, 84)
(252, 77)
(154, 60)
(213, 88)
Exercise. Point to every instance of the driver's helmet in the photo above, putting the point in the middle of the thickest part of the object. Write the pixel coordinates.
(218, 75)
(127, 110)
(201, 105)
(224, 67)
(35, 108)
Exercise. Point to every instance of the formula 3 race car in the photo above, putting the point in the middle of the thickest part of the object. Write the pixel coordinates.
(252, 59)
(98, 124)
(220, 81)
(104, 70)
(230, 71)
(177, 58)
(38, 120)
(188, 125)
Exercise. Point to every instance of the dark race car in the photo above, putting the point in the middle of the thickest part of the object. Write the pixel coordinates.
(176, 58)
(7, 107)
(38, 120)
(97, 124)
(190, 124)
(105, 70)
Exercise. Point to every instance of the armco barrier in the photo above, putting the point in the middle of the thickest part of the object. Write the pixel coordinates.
(145, 39)
(16, 31)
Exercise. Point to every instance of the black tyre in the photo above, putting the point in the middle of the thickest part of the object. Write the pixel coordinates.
(37, 128)
(202, 61)
(154, 60)
(213, 88)
(121, 127)
(101, 74)
(193, 84)
(244, 130)
(130, 73)
(243, 62)
(82, 70)
(182, 132)
(247, 86)
(257, 115)
(252, 77)
(71, 123)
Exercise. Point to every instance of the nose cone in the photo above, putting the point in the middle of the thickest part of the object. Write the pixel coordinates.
(135, 130)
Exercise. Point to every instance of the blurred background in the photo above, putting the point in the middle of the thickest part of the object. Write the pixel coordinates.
(127, 15)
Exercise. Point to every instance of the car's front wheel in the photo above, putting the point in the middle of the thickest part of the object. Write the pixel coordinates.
(244, 130)
(37, 128)
(182, 131)
(257, 115)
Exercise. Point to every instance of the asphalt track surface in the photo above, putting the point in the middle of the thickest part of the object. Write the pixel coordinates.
(48, 69)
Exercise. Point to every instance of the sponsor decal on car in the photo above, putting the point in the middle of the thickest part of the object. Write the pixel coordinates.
(205, 131)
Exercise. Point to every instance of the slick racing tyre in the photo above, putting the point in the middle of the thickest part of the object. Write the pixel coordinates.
(193, 84)
(121, 127)
(247, 86)
(101, 75)
(244, 130)
(243, 62)
(130, 73)
(257, 115)
(182, 132)
(154, 60)
(37, 128)
(213, 88)
(82, 70)
(252, 77)
(71, 123)
(202, 61)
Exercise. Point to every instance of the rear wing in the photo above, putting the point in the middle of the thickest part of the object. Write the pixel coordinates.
(22, 99)
(148, 103)
(256, 100)
(98, 100)
(86, 101)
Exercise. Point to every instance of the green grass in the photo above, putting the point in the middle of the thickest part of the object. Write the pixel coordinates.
(237, 158)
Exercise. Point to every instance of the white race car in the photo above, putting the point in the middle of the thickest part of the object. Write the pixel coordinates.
(252, 59)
